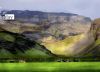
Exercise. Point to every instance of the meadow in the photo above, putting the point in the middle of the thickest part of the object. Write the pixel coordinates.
(51, 67)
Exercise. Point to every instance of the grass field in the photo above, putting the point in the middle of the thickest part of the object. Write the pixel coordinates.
(51, 67)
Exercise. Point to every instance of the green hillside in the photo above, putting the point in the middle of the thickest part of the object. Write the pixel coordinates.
(13, 45)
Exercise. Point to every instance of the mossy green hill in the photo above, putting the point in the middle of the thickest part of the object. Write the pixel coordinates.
(13, 45)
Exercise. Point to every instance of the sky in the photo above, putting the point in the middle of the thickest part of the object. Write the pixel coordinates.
(89, 8)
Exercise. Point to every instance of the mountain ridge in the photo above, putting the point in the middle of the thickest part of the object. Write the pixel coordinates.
(58, 33)
(38, 16)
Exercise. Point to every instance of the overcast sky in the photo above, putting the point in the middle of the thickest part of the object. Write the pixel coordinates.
(89, 8)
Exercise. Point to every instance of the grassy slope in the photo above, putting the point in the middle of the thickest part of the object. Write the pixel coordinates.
(6, 37)
(5, 54)
(31, 53)
(63, 47)
(97, 42)
(93, 47)
(51, 67)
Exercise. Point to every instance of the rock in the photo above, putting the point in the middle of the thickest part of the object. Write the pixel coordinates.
(39, 25)
(96, 46)
(96, 26)
(78, 45)
(63, 34)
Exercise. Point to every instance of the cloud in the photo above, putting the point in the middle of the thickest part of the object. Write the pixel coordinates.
(0, 7)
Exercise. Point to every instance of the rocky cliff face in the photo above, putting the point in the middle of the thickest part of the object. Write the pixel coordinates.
(63, 34)
(39, 25)
(86, 44)
(96, 26)
(96, 31)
